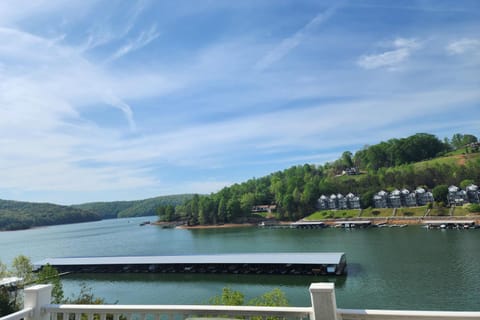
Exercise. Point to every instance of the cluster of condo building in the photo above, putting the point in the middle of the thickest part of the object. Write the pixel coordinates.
(400, 198)
(338, 201)
(458, 197)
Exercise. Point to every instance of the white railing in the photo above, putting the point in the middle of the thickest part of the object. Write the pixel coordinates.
(324, 307)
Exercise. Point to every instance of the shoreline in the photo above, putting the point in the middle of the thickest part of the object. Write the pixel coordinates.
(386, 220)
(217, 226)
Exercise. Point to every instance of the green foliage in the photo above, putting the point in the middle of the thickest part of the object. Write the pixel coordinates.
(440, 193)
(7, 305)
(3, 270)
(50, 275)
(375, 212)
(474, 207)
(23, 268)
(15, 215)
(228, 297)
(465, 183)
(137, 208)
(85, 296)
(274, 298)
(460, 140)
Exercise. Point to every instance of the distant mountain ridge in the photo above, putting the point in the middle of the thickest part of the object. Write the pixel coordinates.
(15, 215)
(134, 208)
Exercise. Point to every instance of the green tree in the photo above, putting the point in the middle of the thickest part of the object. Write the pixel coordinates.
(222, 210)
(228, 297)
(347, 159)
(3, 270)
(50, 275)
(440, 193)
(23, 268)
(465, 183)
(247, 201)
(274, 298)
(169, 212)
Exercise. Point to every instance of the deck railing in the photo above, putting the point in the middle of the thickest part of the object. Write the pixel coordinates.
(324, 307)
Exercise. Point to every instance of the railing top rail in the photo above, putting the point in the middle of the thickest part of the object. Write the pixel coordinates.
(244, 310)
(27, 312)
(403, 314)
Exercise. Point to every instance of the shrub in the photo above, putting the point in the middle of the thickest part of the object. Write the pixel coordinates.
(375, 212)
(408, 213)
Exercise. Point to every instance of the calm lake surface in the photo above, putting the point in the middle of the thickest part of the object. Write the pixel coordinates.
(394, 268)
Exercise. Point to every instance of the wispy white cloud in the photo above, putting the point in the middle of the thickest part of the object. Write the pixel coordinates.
(463, 45)
(143, 39)
(390, 59)
(290, 43)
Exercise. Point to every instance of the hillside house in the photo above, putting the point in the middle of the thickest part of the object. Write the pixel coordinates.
(322, 203)
(395, 199)
(332, 202)
(380, 199)
(350, 171)
(264, 208)
(456, 196)
(423, 196)
(408, 198)
(353, 201)
(342, 201)
(473, 194)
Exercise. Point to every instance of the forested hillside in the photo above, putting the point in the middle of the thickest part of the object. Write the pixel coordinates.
(16, 215)
(387, 165)
(136, 208)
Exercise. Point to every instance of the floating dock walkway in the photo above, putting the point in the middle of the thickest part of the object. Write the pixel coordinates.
(331, 263)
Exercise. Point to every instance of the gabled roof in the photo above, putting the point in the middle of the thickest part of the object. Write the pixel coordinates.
(453, 189)
(395, 192)
(420, 190)
(472, 187)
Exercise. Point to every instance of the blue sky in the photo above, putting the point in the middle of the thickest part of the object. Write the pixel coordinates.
(117, 100)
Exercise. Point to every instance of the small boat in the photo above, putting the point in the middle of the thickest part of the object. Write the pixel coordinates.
(144, 223)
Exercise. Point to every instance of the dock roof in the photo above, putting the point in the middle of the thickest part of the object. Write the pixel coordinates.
(354, 222)
(449, 222)
(242, 258)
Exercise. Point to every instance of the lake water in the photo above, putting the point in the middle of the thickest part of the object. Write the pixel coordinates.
(388, 268)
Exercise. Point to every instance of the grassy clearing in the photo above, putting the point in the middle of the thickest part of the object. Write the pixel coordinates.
(455, 158)
(377, 212)
(332, 214)
(411, 212)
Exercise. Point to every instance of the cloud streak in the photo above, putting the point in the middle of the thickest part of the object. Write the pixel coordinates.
(143, 39)
(390, 59)
(463, 45)
(290, 43)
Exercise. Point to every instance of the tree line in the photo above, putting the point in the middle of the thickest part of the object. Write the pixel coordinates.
(294, 191)
(15, 215)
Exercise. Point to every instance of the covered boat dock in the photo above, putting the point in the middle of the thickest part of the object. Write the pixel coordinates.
(450, 224)
(308, 225)
(308, 263)
(353, 224)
